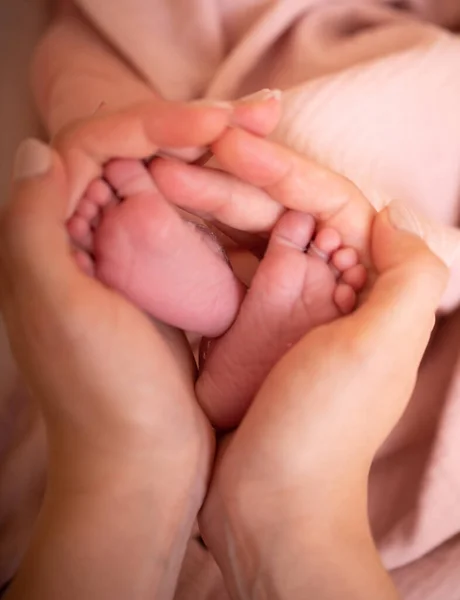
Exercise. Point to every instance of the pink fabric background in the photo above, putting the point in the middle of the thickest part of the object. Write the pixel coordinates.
(372, 91)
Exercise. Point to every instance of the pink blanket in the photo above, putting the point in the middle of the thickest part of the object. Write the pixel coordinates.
(372, 89)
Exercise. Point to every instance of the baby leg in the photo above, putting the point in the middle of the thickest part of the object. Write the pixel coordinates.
(294, 290)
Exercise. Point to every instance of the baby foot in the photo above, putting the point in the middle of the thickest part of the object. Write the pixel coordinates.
(86, 219)
(301, 283)
(173, 269)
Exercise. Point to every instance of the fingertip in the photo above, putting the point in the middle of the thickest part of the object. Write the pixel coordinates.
(258, 113)
(33, 159)
(443, 241)
(257, 161)
(404, 258)
(32, 222)
(38, 184)
(393, 245)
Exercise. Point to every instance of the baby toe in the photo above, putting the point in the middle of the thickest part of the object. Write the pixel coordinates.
(80, 231)
(355, 277)
(345, 298)
(344, 258)
(99, 192)
(87, 209)
(84, 262)
(326, 242)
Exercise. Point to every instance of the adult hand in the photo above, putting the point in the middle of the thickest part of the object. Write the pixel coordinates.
(262, 178)
(155, 124)
(142, 130)
(286, 515)
(292, 482)
(129, 449)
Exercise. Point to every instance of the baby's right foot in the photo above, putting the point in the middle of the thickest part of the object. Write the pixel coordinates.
(139, 245)
(302, 282)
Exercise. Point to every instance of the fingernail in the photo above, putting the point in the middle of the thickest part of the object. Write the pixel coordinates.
(209, 103)
(262, 96)
(403, 219)
(33, 158)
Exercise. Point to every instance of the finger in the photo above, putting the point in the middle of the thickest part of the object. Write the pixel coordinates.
(35, 257)
(442, 240)
(258, 113)
(138, 132)
(216, 195)
(382, 344)
(411, 280)
(359, 371)
(298, 184)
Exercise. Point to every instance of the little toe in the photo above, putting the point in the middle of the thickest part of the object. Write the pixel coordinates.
(99, 192)
(80, 231)
(84, 262)
(87, 209)
(344, 258)
(345, 298)
(355, 277)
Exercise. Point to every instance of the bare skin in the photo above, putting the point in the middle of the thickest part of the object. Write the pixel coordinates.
(258, 520)
(141, 247)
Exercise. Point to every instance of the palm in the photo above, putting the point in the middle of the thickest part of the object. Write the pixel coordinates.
(127, 381)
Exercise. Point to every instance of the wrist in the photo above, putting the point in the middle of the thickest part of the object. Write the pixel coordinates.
(290, 549)
(125, 539)
(109, 461)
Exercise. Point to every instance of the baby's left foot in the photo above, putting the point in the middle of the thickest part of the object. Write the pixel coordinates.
(303, 281)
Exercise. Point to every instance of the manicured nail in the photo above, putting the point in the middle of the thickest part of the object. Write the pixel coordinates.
(262, 96)
(33, 158)
(404, 219)
(210, 103)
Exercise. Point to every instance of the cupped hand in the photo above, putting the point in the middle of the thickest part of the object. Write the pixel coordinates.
(109, 341)
(289, 491)
(101, 368)
(126, 437)
(262, 180)
(97, 364)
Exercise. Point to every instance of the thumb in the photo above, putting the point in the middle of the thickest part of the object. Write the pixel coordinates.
(34, 247)
(39, 277)
(398, 316)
